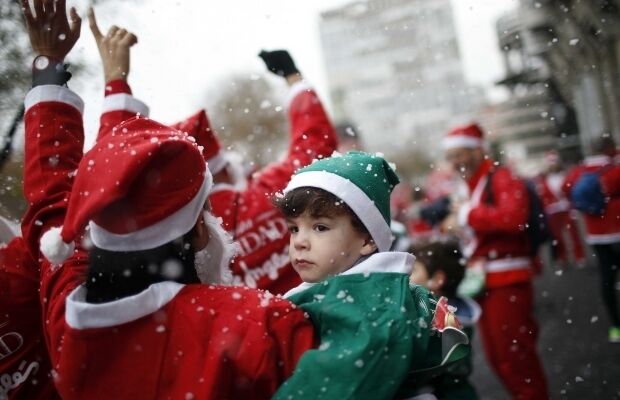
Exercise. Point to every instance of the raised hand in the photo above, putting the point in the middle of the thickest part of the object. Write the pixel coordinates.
(279, 62)
(50, 32)
(113, 48)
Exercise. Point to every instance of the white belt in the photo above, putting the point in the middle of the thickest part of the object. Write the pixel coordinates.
(508, 264)
(558, 206)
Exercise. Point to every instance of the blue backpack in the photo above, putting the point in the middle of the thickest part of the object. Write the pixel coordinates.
(587, 195)
(537, 226)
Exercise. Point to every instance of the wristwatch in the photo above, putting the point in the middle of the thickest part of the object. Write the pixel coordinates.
(48, 71)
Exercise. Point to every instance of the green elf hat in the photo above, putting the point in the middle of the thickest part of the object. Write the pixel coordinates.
(363, 181)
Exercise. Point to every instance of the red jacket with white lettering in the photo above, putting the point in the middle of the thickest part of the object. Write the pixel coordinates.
(604, 228)
(169, 341)
(253, 221)
(23, 354)
(500, 243)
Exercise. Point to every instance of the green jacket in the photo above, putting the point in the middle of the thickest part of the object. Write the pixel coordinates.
(373, 327)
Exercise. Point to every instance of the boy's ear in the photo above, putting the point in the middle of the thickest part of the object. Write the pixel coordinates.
(369, 247)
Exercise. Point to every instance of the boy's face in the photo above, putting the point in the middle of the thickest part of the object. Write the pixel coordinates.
(420, 276)
(325, 246)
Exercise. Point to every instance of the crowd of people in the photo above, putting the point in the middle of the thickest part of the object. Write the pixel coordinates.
(153, 267)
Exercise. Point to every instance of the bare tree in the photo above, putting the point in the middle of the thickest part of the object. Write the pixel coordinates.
(249, 118)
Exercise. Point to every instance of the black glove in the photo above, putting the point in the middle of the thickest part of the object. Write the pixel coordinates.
(279, 62)
(436, 211)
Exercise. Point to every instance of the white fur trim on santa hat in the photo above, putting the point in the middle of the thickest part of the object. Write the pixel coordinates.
(58, 94)
(452, 142)
(124, 102)
(54, 248)
(355, 198)
(216, 163)
(162, 232)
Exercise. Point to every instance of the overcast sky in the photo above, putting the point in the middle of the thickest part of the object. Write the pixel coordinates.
(188, 47)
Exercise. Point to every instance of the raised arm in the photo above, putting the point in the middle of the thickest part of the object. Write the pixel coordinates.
(114, 47)
(311, 132)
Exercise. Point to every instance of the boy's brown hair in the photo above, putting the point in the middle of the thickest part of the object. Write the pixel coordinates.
(317, 203)
(443, 256)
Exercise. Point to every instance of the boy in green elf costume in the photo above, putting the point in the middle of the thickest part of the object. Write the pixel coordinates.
(380, 337)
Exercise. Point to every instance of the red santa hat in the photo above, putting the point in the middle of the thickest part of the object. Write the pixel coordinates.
(136, 190)
(198, 126)
(469, 136)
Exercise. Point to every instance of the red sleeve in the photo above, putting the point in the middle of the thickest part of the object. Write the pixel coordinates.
(294, 335)
(53, 150)
(610, 180)
(312, 137)
(118, 106)
(510, 208)
(569, 181)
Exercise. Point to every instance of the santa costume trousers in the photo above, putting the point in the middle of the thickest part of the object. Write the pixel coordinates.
(509, 332)
(562, 222)
(608, 257)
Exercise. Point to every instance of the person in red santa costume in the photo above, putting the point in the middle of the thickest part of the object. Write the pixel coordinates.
(603, 224)
(491, 215)
(25, 369)
(125, 315)
(558, 210)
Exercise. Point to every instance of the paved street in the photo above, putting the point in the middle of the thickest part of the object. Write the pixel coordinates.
(579, 361)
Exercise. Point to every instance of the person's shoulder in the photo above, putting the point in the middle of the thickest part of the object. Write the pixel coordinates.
(242, 303)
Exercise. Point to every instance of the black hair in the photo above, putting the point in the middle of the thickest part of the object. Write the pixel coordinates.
(112, 275)
(443, 256)
(317, 203)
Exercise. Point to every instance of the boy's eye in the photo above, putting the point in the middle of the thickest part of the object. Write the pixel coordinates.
(321, 228)
(293, 229)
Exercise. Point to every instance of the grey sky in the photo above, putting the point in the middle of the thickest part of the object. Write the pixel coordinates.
(187, 47)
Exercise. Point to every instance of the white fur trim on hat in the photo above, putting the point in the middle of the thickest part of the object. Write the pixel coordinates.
(162, 232)
(452, 142)
(355, 198)
(217, 163)
(54, 248)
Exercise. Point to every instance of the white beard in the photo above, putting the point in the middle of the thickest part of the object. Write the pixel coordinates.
(212, 262)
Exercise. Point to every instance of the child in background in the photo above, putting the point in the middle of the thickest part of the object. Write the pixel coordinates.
(373, 326)
(440, 267)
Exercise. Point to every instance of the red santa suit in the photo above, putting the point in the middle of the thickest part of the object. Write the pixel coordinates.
(603, 231)
(259, 228)
(558, 210)
(494, 215)
(502, 247)
(25, 371)
(604, 228)
(169, 341)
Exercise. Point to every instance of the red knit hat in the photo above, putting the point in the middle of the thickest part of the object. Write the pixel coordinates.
(198, 126)
(469, 136)
(137, 189)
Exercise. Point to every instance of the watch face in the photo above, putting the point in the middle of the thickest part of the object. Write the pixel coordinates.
(41, 62)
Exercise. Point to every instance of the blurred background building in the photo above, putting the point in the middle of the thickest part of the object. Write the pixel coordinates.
(562, 68)
(394, 69)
